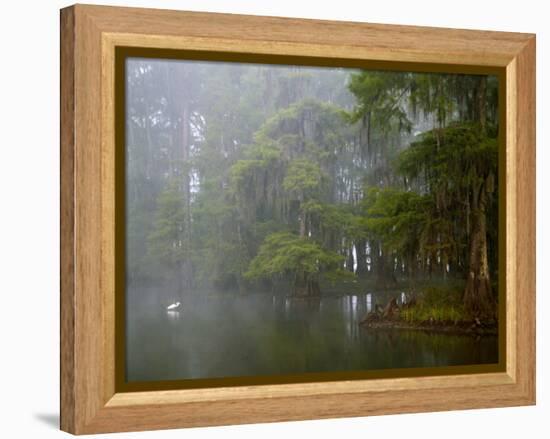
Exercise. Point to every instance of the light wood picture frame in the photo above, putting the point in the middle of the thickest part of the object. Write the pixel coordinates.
(91, 401)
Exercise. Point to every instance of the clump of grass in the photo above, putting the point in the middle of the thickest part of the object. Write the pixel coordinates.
(438, 305)
(441, 296)
(422, 313)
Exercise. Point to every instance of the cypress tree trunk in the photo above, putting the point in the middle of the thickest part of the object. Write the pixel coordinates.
(302, 221)
(349, 259)
(478, 297)
(305, 285)
(361, 249)
(385, 276)
(411, 267)
(481, 95)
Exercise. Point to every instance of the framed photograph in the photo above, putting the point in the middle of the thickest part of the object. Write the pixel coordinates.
(268, 219)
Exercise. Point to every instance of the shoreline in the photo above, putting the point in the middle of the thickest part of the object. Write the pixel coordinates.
(460, 328)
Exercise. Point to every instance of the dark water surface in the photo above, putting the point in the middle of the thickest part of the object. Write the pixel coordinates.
(260, 334)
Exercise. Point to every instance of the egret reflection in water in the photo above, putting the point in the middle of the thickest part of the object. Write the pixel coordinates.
(173, 315)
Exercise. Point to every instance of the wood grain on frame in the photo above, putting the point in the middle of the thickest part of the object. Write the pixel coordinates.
(68, 308)
(89, 35)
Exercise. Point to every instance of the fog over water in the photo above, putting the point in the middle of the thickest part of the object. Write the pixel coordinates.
(260, 334)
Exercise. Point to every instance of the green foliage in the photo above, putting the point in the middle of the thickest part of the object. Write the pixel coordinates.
(380, 97)
(452, 164)
(287, 176)
(452, 158)
(165, 240)
(434, 95)
(396, 217)
(339, 218)
(284, 253)
(323, 124)
(219, 255)
(303, 178)
(248, 171)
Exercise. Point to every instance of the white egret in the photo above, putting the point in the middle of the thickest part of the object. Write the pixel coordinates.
(173, 306)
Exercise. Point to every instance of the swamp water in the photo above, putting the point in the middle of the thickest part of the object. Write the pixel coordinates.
(260, 334)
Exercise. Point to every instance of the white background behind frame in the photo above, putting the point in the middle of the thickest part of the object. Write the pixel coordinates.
(29, 217)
